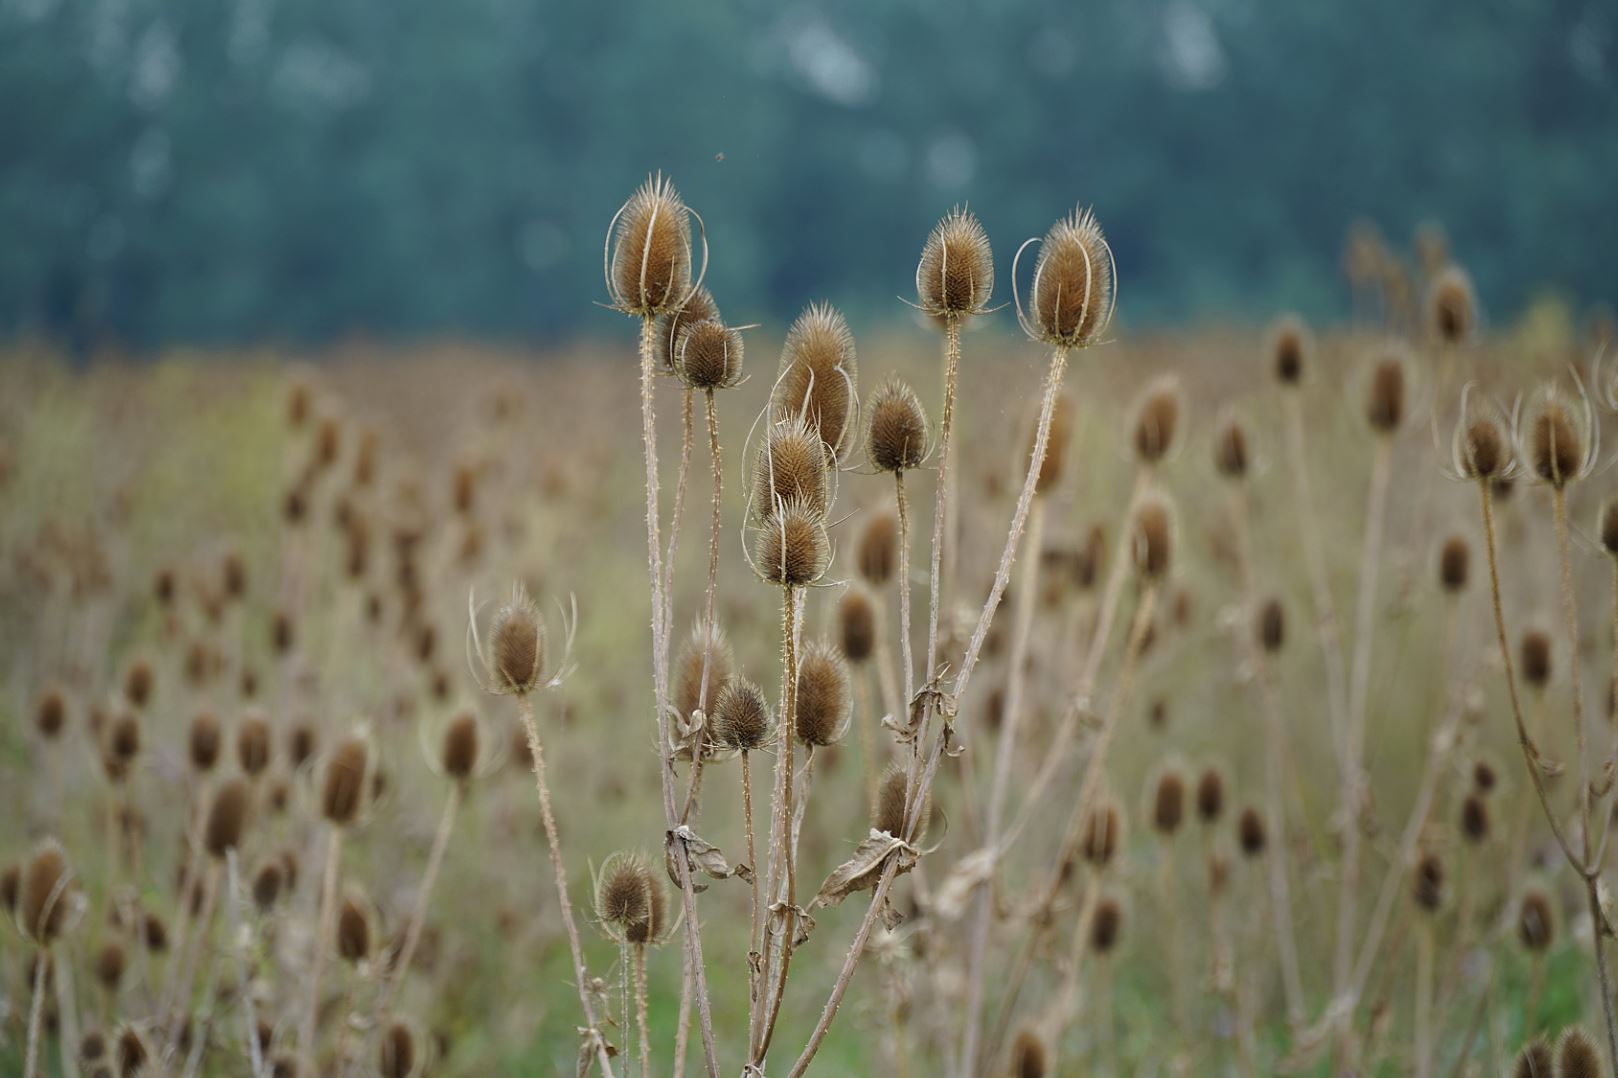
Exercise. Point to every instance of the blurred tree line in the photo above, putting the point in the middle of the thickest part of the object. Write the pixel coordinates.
(243, 170)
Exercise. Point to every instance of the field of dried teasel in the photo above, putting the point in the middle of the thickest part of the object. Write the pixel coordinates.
(1061, 701)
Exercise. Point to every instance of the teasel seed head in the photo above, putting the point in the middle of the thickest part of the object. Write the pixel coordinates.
(888, 814)
(877, 554)
(1451, 307)
(708, 355)
(347, 781)
(123, 739)
(792, 548)
(700, 307)
(955, 276)
(1156, 421)
(10, 889)
(1106, 926)
(824, 703)
(623, 893)
(1029, 1056)
(897, 436)
(856, 624)
(819, 376)
(353, 931)
(1557, 441)
(1056, 443)
(1291, 348)
(1475, 819)
(1454, 563)
(741, 715)
(138, 684)
(459, 757)
(654, 927)
(1534, 1060)
(1231, 454)
(227, 818)
(1577, 1055)
(1072, 294)
(1252, 834)
(203, 744)
(720, 661)
(649, 269)
(1428, 885)
(1210, 795)
(92, 1046)
(1153, 538)
(1484, 776)
(1609, 528)
(47, 896)
(253, 743)
(1168, 802)
(396, 1055)
(131, 1051)
(1534, 655)
(154, 933)
(1536, 924)
(267, 882)
(515, 660)
(301, 743)
(110, 963)
(1387, 392)
(1272, 625)
(1101, 835)
(50, 716)
(792, 465)
(1481, 448)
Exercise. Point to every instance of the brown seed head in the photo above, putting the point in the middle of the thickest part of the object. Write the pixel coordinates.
(856, 624)
(671, 325)
(110, 963)
(1098, 842)
(138, 684)
(460, 753)
(1157, 420)
(653, 927)
(650, 268)
(132, 1052)
(1290, 348)
(897, 436)
(689, 693)
(1029, 1056)
(267, 883)
(1454, 561)
(1451, 307)
(878, 548)
(708, 355)
(888, 814)
(1168, 802)
(1385, 396)
(46, 895)
(819, 375)
(227, 818)
(1534, 654)
(824, 702)
(1556, 441)
(792, 548)
(516, 659)
(204, 742)
(346, 781)
(1483, 776)
(1153, 538)
(956, 274)
(1230, 450)
(623, 892)
(1534, 1061)
(1210, 795)
(741, 715)
(353, 931)
(1272, 625)
(92, 1046)
(155, 934)
(10, 888)
(1536, 924)
(1428, 886)
(51, 714)
(792, 465)
(253, 743)
(123, 738)
(1577, 1055)
(1474, 819)
(1609, 528)
(396, 1056)
(1106, 926)
(1252, 835)
(1071, 298)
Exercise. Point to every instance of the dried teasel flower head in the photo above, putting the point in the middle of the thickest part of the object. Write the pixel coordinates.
(1387, 391)
(623, 893)
(1156, 421)
(888, 813)
(1152, 541)
(1607, 528)
(1557, 438)
(1474, 819)
(878, 551)
(131, 1051)
(1271, 625)
(48, 898)
(517, 659)
(1073, 293)
(824, 702)
(111, 961)
(1451, 307)
(647, 255)
(267, 884)
(346, 784)
(138, 681)
(1534, 656)
(1484, 775)
(1101, 835)
(698, 307)
(396, 1054)
(1231, 453)
(655, 926)
(1252, 834)
(1030, 1058)
(703, 656)
(1454, 564)
(1534, 1060)
(459, 754)
(897, 438)
(50, 714)
(955, 276)
(1481, 447)
(792, 548)
(1536, 922)
(708, 355)
(1210, 795)
(354, 935)
(227, 818)
(203, 744)
(1427, 886)
(792, 465)
(1168, 801)
(741, 716)
(1106, 926)
(819, 376)
(856, 624)
(1290, 351)
(301, 743)
(253, 743)
(1577, 1055)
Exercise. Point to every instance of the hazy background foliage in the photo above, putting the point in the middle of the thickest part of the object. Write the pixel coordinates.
(240, 170)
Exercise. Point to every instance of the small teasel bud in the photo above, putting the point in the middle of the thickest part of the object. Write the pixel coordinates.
(1386, 392)
(1272, 625)
(164, 587)
(650, 269)
(671, 325)
(1428, 885)
(1484, 776)
(1087, 567)
(1252, 834)
(110, 964)
(1029, 1056)
(792, 548)
(1534, 655)
(708, 356)
(1554, 439)
(1106, 926)
(1290, 349)
(233, 576)
(123, 739)
(1609, 528)
(131, 1051)
(1534, 1060)
(1536, 925)
(1454, 562)
(227, 818)
(345, 786)
(253, 743)
(1451, 307)
(1157, 420)
(1231, 454)
(460, 753)
(824, 703)
(203, 744)
(955, 276)
(741, 715)
(301, 743)
(698, 651)
(92, 1046)
(792, 466)
(1475, 819)
(1577, 1055)
(1153, 538)
(1099, 840)
(1056, 443)
(516, 659)
(47, 894)
(897, 436)
(818, 376)
(50, 716)
(1168, 802)
(396, 1055)
(155, 934)
(623, 893)
(267, 882)
(1481, 445)
(10, 888)
(353, 931)
(138, 684)
(856, 624)
(1072, 294)
(285, 1066)
(878, 550)
(888, 814)
(1210, 795)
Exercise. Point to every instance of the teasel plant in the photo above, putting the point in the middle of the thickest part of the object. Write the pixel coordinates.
(631, 910)
(49, 904)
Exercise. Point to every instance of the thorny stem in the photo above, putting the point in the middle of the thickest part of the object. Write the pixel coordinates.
(640, 1011)
(904, 589)
(553, 844)
(784, 811)
(946, 427)
(753, 943)
(36, 1015)
(693, 935)
(418, 916)
(623, 997)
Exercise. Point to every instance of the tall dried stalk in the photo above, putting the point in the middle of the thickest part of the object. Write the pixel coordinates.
(418, 916)
(326, 927)
(36, 1015)
(784, 871)
(942, 492)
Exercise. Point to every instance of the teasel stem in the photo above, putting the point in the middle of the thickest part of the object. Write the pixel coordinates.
(1570, 614)
(249, 1015)
(941, 500)
(553, 845)
(36, 1015)
(641, 1011)
(623, 996)
(754, 944)
(787, 871)
(1424, 999)
(327, 927)
(1359, 686)
(418, 916)
(903, 501)
(1025, 602)
(660, 692)
(698, 755)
